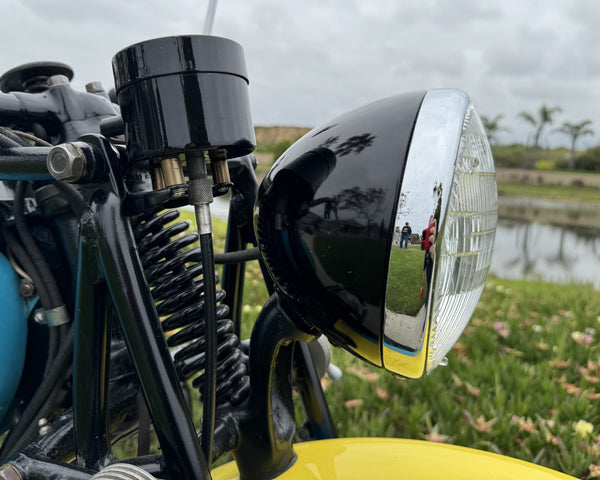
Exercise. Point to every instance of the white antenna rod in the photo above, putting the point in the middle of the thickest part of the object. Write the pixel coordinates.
(210, 17)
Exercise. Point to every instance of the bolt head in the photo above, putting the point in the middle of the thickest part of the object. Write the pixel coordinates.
(56, 80)
(26, 288)
(94, 87)
(66, 162)
(39, 318)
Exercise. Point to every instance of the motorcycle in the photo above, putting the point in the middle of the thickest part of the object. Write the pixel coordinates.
(112, 316)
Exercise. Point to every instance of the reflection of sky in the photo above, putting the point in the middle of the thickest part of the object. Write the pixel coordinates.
(546, 252)
(420, 205)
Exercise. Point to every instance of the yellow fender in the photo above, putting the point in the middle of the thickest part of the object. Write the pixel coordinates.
(387, 458)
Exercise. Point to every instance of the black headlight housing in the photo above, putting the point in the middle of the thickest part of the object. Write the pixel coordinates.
(326, 212)
(330, 212)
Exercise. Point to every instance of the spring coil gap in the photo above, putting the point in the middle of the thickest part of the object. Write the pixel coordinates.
(172, 273)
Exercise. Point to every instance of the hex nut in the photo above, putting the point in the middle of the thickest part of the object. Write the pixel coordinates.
(66, 162)
(56, 80)
(94, 87)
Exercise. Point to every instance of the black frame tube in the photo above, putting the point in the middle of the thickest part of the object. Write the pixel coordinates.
(240, 233)
(313, 397)
(265, 449)
(90, 370)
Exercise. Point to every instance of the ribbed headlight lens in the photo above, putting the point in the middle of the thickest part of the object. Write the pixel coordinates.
(467, 240)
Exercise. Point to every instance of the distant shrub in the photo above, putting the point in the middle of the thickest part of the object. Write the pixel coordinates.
(545, 165)
(276, 149)
(589, 160)
(558, 156)
(562, 164)
(577, 183)
(511, 156)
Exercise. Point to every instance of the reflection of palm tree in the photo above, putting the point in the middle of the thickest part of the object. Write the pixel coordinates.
(356, 143)
(529, 262)
(595, 250)
(560, 257)
(329, 142)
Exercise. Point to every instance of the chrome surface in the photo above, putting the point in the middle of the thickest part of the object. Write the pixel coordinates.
(422, 203)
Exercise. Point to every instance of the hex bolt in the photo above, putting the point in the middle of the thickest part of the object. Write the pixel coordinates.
(94, 87)
(56, 80)
(45, 430)
(66, 162)
(45, 427)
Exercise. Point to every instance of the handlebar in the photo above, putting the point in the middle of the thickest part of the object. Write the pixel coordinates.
(63, 113)
(24, 163)
(22, 107)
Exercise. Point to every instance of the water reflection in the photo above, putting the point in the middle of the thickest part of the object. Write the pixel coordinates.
(558, 254)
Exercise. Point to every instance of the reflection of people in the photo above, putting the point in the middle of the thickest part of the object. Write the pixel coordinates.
(331, 204)
(406, 231)
(429, 235)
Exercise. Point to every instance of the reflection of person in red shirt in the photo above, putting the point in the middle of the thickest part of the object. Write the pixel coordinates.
(430, 234)
(431, 229)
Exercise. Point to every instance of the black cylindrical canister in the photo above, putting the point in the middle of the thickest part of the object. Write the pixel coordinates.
(179, 94)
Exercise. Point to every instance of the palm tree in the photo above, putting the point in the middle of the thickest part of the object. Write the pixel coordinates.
(492, 127)
(544, 119)
(575, 130)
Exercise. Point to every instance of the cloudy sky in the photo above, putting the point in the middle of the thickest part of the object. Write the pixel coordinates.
(310, 60)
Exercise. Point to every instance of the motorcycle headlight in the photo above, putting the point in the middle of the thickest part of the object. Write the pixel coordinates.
(329, 219)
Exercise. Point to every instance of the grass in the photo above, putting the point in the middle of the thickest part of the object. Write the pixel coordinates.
(405, 279)
(523, 379)
(555, 192)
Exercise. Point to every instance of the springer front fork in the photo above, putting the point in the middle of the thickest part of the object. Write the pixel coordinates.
(115, 266)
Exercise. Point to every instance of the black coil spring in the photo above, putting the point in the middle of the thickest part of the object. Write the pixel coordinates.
(172, 271)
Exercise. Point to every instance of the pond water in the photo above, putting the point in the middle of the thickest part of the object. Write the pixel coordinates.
(542, 239)
(559, 254)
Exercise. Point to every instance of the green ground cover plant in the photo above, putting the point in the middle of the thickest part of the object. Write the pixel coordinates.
(405, 279)
(523, 380)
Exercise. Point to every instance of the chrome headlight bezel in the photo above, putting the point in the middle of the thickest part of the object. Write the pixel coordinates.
(449, 175)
